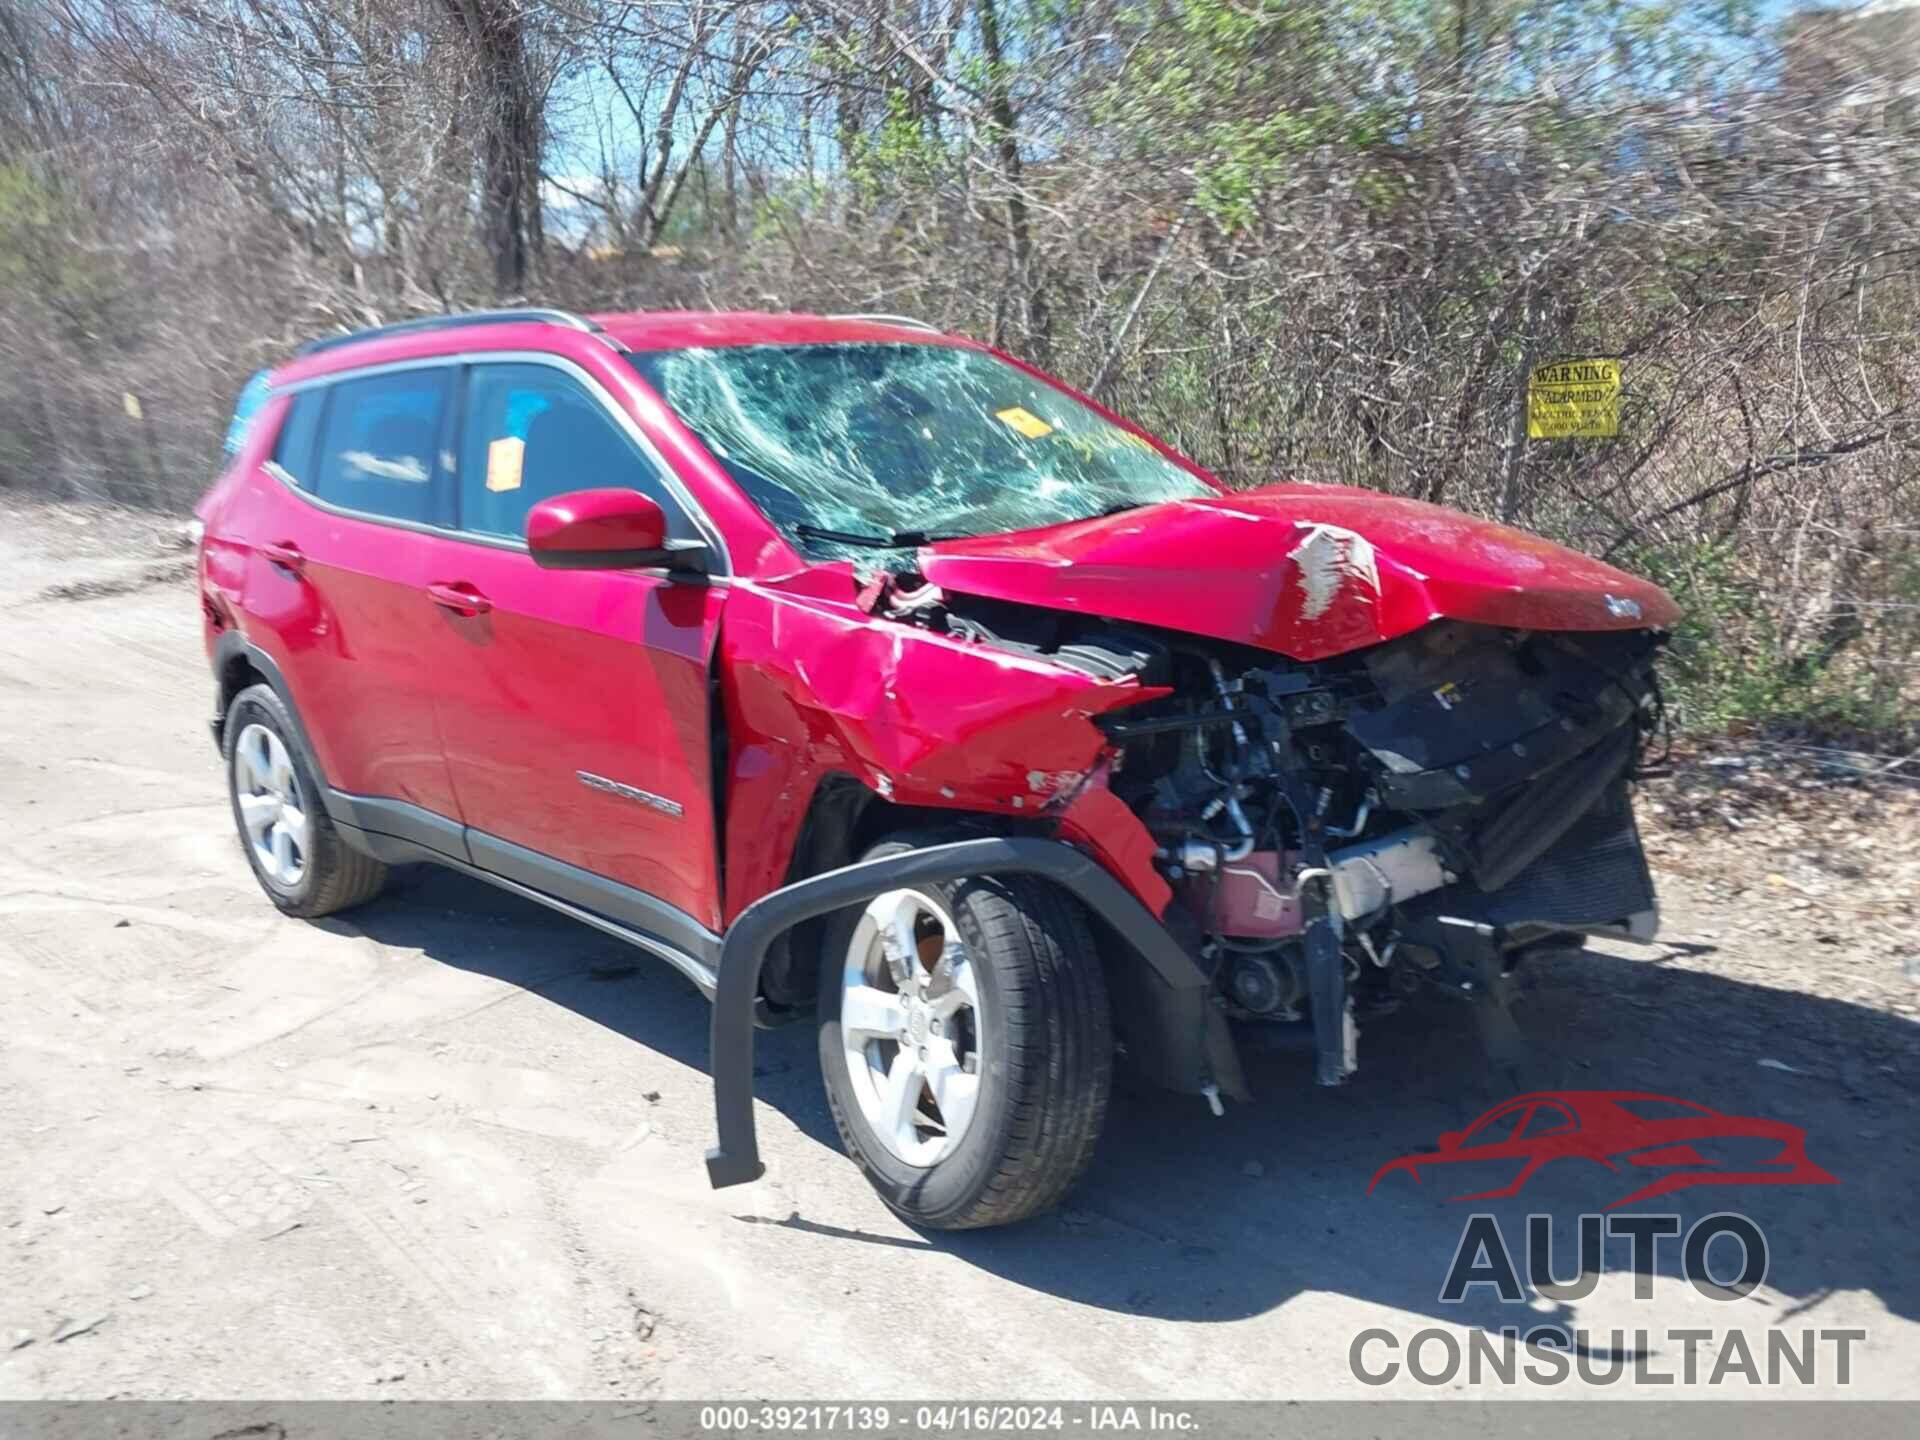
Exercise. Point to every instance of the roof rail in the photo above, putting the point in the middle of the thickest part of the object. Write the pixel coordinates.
(452, 322)
(906, 320)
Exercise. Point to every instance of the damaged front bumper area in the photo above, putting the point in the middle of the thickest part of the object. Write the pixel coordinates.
(1565, 856)
(1519, 779)
(1424, 810)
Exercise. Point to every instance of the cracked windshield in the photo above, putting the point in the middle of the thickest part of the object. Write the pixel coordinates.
(856, 448)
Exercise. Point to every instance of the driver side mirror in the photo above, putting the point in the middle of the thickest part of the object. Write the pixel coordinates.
(1450, 1140)
(610, 529)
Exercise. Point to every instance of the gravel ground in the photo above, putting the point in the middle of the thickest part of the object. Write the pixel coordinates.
(449, 1145)
(1810, 856)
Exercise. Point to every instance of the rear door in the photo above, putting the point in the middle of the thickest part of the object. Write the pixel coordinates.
(574, 705)
(336, 590)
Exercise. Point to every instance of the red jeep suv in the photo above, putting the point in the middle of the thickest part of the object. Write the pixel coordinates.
(861, 672)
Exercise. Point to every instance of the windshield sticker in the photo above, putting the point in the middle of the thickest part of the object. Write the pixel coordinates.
(505, 459)
(1025, 421)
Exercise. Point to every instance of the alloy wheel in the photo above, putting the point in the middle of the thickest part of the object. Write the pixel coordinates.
(273, 815)
(911, 1024)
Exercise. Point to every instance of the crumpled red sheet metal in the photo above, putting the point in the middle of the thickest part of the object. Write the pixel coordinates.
(1309, 571)
(812, 686)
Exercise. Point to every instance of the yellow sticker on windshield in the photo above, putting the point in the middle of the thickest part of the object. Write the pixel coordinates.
(1025, 421)
(505, 458)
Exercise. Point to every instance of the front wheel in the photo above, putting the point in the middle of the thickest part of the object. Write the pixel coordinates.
(966, 1046)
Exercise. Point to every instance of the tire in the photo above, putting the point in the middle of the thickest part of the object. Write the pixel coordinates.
(1037, 1028)
(318, 873)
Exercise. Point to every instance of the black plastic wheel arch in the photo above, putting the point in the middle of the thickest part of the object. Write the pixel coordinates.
(736, 1159)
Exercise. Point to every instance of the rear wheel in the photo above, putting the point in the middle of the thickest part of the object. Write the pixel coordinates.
(966, 1046)
(295, 852)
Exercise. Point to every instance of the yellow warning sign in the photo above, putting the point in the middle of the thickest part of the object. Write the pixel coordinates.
(1025, 421)
(505, 457)
(1574, 398)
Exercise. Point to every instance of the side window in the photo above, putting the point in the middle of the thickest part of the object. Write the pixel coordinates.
(1496, 1131)
(531, 433)
(293, 448)
(1548, 1119)
(379, 443)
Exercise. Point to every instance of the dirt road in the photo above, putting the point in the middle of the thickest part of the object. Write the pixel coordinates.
(450, 1146)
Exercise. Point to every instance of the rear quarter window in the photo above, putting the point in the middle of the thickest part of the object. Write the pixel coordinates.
(380, 444)
(249, 404)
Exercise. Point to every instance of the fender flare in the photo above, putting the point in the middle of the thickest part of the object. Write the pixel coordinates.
(736, 1159)
(232, 646)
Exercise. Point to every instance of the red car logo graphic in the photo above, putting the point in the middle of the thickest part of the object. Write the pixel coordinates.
(1687, 1144)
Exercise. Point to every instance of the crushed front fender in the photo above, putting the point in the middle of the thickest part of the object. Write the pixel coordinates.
(814, 686)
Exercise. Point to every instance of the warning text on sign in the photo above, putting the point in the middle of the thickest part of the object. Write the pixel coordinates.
(1574, 398)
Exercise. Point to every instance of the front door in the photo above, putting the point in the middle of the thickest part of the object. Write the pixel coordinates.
(574, 705)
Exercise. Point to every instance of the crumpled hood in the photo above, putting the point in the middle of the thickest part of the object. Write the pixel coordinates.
(1307, 570)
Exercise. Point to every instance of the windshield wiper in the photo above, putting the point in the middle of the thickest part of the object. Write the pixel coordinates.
(898, 540)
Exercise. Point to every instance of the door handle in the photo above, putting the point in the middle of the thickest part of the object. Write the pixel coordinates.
(287, 555)
(459, 597)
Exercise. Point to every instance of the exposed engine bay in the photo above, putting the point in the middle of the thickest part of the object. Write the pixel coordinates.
(1338, 833)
